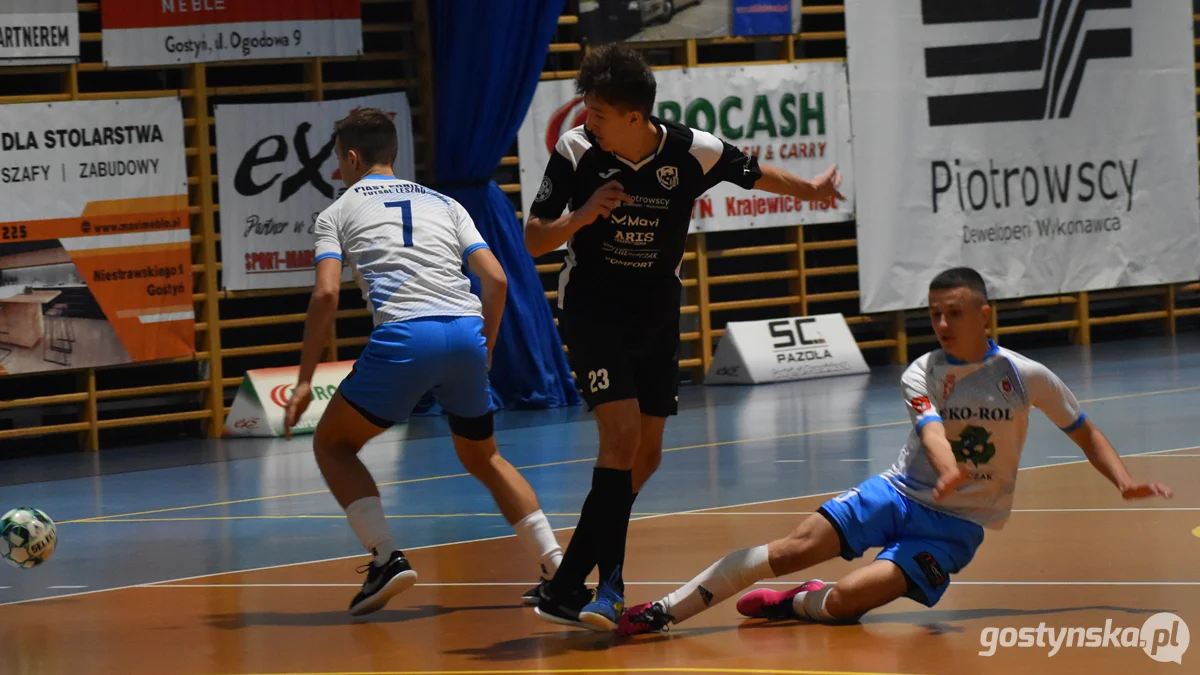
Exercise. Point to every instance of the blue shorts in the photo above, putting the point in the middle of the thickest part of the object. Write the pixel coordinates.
(404, 360)
(928, 545)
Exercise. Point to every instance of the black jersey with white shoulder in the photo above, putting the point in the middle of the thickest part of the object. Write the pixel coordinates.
(638, 246)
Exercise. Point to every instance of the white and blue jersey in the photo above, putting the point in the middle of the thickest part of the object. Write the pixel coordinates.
(407, 245)
(985, 408)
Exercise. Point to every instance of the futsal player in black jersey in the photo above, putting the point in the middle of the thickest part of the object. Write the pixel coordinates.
(628, 181)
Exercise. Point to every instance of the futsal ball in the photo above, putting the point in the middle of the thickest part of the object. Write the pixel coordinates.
(27, 537)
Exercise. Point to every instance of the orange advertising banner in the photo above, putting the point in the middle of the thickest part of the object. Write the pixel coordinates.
(95, 238)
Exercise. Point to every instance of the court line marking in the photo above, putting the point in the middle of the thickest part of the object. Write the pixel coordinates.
(583, 670)
(359, 556)
(411, 516)
(676, 584)
(407, 481)
(715, 444)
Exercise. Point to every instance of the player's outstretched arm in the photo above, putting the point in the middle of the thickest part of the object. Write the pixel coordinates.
(950, 474)
(493, 291)
(1106, 460)
(543, 235)
(322, 307)
(822, 188)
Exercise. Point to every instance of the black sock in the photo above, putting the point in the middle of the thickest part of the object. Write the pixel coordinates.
(617, 486)
(599, 538)
(580, 556)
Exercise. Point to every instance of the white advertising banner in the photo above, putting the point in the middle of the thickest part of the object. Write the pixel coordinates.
(95, 238)
(1049, 144)
(39, 32)
(260, 402)
(793, 116)
(278, 171)
(168, 32)
(779, 350)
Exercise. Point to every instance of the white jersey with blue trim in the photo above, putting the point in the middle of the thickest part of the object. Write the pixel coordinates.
(984, 407)
(407, 245)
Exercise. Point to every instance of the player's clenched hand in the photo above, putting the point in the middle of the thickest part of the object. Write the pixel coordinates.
(296, 406)
(604, 201)
(1144, 490)
(949, 481)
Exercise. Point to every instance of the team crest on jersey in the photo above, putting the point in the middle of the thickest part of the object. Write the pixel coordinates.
(545, 190)
(668, 176)
(948, 386)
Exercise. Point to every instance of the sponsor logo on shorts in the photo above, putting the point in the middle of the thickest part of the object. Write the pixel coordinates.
(929, 565)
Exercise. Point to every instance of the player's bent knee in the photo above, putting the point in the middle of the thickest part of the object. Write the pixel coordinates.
(473, 428)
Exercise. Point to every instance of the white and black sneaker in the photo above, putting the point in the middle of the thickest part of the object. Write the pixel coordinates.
(564, 610)
(534, 595)
(383, 583)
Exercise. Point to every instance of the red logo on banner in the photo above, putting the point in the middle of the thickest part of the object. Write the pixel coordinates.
(280, 395)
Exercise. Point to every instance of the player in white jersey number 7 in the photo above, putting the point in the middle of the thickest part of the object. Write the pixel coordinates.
(407, 245)
(969, 403)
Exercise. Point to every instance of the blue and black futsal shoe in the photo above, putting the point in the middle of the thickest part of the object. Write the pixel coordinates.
(602, 613)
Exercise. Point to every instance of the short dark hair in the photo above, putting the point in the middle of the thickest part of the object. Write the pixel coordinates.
(371, 132)
(618, 75)
(960, 277)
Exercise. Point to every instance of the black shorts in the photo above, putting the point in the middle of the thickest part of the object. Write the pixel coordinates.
(625, 354)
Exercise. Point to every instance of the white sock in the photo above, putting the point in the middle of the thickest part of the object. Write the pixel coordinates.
(811, 605)
(729, 575)
(536, 536)
(367, 521)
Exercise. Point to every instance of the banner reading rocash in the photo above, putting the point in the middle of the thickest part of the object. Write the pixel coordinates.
(278, 171)
(35, 32)
(1049, 144)
(95, 241)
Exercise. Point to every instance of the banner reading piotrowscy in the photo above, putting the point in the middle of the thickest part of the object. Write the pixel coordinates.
(1050, 145)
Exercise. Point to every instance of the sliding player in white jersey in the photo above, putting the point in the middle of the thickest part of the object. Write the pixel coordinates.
(969, 403)
(407, 245)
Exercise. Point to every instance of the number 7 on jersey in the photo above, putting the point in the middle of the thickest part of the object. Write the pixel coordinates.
(405, 218)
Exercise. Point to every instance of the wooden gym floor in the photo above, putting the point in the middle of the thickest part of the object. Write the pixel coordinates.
(230, 558)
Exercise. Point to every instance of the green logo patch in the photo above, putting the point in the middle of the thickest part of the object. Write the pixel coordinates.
(974, 445)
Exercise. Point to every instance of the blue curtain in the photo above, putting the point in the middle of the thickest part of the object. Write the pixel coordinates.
(488, 56)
